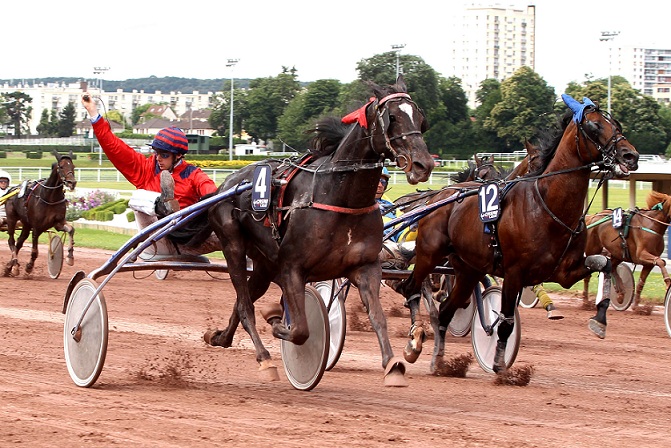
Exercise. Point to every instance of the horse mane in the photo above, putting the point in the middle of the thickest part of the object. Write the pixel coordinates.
(465, 173)
(548, 142)
(656, 197)
(328, 132)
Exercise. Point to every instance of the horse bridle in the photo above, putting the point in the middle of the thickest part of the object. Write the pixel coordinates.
(61, 172)
(382, 118)
(609, 149)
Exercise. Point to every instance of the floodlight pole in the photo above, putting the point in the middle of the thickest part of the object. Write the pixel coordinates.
(397, 48)
(231, 63)
(608, 36)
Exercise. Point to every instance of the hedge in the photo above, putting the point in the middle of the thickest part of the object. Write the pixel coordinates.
(106, 212)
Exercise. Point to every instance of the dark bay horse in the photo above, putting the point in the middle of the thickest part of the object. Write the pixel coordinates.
(42, 205)
(640, 240)
(539, 235)
(324, 222)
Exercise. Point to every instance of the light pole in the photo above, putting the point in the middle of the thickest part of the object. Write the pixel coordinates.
(231, 63)
(608, 36)
(397, 48)
(100, 71)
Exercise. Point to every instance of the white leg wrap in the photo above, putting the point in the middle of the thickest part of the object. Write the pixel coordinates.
(599, 292)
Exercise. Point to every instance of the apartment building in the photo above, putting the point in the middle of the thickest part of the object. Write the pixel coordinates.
(57, 95)
(490, 42)
(646, 69)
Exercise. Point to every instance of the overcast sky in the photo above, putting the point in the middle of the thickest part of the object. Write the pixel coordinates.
(320, 39)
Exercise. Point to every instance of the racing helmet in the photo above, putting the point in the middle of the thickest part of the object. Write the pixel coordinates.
(171, 139)
(4, 174)
(385, 173)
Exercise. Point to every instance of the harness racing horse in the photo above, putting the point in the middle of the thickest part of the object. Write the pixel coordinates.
(524, 254)
(41, 206)
(324, 222)
(640, 240)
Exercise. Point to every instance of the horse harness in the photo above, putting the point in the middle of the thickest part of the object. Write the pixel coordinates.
(623, 230)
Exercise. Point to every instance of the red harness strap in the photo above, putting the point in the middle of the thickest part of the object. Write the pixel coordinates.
(346, 210)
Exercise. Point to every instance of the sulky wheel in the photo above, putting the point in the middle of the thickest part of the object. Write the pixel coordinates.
(337, 318)
(305, 364)
(627, 276)
(484, 345)
(86, 349)
(529, 298)
(55, 256)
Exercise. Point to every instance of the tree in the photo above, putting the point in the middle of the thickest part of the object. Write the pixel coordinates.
(266, 101)
(487, 96)
(526, 107)
(45, 127)
(221, 111)
(18, 111)
(66, 120)
(320, 98)
(137, 113)
(421, 78)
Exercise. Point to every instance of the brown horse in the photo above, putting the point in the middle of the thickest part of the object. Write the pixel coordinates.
(40, 206)
(539, 233)
(640, 240)
(324, 222)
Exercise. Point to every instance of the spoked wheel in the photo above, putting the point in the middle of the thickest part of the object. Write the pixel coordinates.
(305, 364)
(85, 350)
(628, 283)
(161, 274)
(55, 256)
(461, 322)
(667, 311)
(484, 345)
(337, 319)
(528, 299)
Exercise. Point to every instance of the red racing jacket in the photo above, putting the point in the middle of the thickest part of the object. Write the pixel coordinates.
(191, 183)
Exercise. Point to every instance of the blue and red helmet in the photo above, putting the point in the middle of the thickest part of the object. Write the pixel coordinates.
(171, 139)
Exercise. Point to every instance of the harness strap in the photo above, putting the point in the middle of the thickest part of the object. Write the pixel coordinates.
(346, 210)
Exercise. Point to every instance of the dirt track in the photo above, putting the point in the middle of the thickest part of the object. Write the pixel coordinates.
(162, 386)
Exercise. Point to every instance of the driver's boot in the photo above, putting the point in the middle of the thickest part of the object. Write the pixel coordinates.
(168, 192)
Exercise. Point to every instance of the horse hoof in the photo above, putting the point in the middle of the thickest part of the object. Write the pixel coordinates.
(597, 328)
(394, 373)
(268, 372)
(70, 261)
(271, 312)
(209, 335)
(413, 348)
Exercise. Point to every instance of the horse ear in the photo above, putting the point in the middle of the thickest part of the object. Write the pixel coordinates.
(400, 83)
(56, 154)
(478, 161)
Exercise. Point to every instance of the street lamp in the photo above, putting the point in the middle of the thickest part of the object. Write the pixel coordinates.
(397, 48)
(231, 63)
(188, 106)
(608, 36)
(100, 71)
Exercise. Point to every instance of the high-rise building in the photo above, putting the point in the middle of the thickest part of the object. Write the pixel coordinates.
(490, 42)
(646, 69)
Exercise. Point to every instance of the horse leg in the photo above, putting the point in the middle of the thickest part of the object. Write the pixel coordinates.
(367, 279)
(258, 284)
(509, 293)
(416, 335)
(70, 259)
(585, 291)
(597, 324)
(11, 242)
(13, 266)
(645, 271)
(33, 253)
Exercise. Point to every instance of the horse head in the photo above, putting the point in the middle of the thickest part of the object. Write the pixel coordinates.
(66, 169)
(396, 125)
(602, 136)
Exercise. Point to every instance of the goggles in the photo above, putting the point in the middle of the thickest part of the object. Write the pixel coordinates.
(163, 154)
(384, 182)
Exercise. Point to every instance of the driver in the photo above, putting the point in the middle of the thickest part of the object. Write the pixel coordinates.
(179, 183)
(5, 181)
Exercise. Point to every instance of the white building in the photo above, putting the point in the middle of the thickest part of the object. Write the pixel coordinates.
(57, 95)
(490, 42)
(646, 69)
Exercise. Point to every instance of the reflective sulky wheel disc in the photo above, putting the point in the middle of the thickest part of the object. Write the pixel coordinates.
(667, 311)
(461, 323)
(85, 358)
(624, 272)
(528, 299)
(55, 256)
(337, 319)
(305, 364)
(484, 345)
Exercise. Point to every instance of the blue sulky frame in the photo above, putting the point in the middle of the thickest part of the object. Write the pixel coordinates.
(125, 259)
